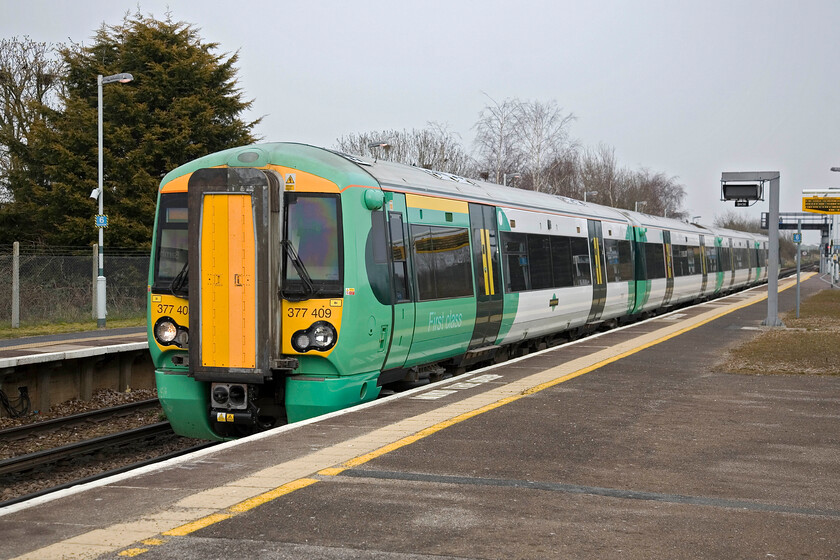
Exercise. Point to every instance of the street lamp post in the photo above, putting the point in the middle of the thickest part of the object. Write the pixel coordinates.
(511, 175)
(101, 220)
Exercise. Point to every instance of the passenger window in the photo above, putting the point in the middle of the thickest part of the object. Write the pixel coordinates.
(442, 262)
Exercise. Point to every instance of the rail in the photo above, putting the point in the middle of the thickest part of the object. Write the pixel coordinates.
(23, 463)
(26, 430)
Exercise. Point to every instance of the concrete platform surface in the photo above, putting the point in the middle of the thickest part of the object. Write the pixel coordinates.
(70, 346)
(629, 444)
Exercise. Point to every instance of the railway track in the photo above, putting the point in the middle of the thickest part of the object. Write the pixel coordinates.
(27, 430)
(28, 475)
(24, 463)
(19, 470)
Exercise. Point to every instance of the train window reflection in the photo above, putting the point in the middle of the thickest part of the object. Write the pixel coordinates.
(442, 262)
(172, 254)
(172, 248)
(313, 229)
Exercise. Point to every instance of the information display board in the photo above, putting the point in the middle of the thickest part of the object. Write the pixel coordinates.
(821, 204)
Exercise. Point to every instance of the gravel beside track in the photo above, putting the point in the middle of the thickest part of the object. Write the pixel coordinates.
(54, 475)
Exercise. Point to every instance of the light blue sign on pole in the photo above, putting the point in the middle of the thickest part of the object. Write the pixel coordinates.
(797, 238)
(101, 220)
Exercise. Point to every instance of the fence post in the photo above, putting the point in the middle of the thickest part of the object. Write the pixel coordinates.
(16, 285)
(93, 279)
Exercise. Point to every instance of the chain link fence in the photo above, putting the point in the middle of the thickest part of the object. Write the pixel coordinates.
(57, 284)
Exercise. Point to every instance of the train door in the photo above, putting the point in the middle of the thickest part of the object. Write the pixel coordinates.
(401, 284)
(487, 272)
(750, 264)
(730, 262)
(234, 217)
(599, 274)
(669, 268)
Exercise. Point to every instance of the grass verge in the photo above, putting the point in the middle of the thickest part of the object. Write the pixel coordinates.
(61, 328)
(810, 345)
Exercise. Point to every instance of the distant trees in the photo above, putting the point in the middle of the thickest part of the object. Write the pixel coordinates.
(530, 143)
(433, 147)
(530, 138)
(183, 103)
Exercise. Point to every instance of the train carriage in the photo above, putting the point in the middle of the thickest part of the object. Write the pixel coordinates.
(288, 281)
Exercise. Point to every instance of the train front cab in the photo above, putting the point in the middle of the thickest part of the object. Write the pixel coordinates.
(246, 324)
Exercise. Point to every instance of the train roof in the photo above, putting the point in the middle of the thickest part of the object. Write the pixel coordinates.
(417, 180)
(346, 170)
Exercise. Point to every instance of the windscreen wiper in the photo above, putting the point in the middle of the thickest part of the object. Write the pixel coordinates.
(300, 268)
(180, 286)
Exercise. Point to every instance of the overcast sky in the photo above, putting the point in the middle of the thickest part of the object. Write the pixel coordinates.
(689, 89)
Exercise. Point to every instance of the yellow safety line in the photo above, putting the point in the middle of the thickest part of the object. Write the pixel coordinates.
(297, 484)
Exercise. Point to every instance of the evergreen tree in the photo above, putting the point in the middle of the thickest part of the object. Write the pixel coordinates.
(184, 103)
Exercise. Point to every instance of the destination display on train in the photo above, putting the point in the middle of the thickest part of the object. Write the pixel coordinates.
(821, 204)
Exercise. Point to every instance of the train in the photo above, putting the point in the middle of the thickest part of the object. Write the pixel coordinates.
(289, 281)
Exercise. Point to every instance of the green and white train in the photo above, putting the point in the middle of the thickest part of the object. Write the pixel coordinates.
(288, 281)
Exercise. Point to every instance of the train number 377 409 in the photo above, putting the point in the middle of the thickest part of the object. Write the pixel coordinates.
(300, 312)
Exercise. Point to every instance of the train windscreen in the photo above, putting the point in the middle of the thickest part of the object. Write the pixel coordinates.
(313, 232)
(172, 240)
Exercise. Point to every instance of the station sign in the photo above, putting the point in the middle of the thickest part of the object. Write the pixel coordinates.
(821, 204)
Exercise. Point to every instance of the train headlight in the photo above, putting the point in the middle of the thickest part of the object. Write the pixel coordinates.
(165, 331)
(300, 341)
(319, 336)
(323, 336)
(168, 333)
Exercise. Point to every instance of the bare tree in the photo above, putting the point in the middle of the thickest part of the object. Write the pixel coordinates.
(599, 172)
(662, 195)
(564, 177)
(732, 219)
(434, 147)
(30, 78)
(495, 139)
(541, 131)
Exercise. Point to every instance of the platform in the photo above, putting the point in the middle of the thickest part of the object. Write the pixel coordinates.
(57, 368)
(70, 346)
(627, 444)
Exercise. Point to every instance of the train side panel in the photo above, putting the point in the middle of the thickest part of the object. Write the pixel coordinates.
(540, 300)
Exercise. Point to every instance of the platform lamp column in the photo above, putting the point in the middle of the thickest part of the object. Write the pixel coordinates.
(101, 220)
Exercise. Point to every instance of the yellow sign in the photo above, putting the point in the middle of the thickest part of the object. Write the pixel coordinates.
(821, 204)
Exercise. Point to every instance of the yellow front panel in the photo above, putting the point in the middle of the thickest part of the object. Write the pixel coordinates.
(177, 309)
(228, 287)
(300, 315)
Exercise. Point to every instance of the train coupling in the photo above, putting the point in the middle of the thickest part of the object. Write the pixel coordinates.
(245, 417)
